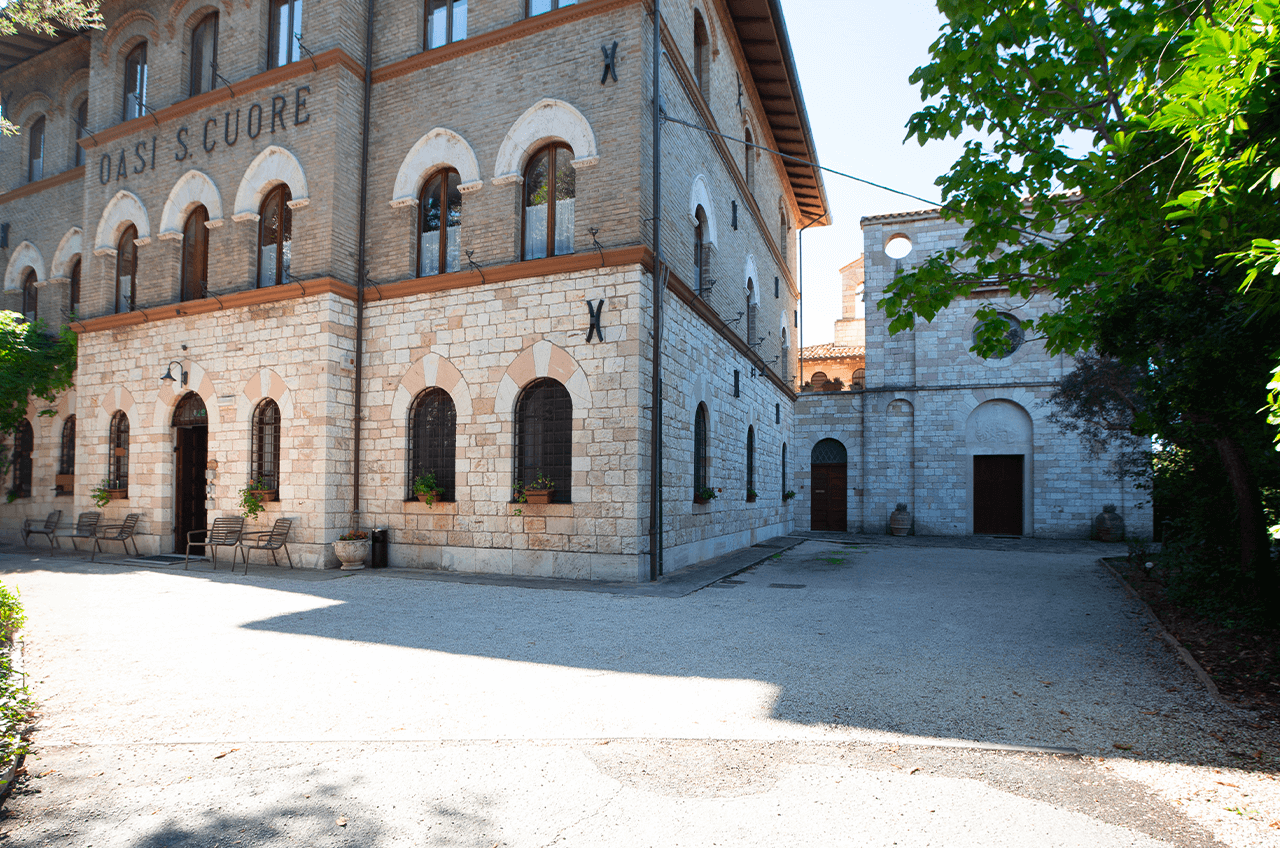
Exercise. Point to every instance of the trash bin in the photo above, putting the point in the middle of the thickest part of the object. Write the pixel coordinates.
(380, 540)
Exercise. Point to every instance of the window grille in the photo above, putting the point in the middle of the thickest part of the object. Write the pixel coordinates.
(440, 224)
(118, 447)
(549, 191)
(751, 457)
(829, 451)
(700, 466)
(264, 463)
(204, 55)
(433, 432)
(126, 270)
(23, 446)
(67, 450)
(195, 255)
(30, 298)
(544, 436)
(275, 237)
(285, 33)
(191, 412)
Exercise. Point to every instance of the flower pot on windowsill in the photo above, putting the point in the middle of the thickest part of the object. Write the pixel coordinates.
(64, 481)
(698, 499)
(117, 494)
(429, 497)
(751, 498)
(538, 496)
(264, 495)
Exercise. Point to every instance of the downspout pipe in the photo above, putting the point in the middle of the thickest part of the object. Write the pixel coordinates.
(655, 436)
(361, 270)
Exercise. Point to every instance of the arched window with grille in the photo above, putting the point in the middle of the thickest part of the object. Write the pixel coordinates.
(66, 457)
(126, 270)
(135, 83)
(544, 436)
(264, 461)
(701, 56)
(751, 311)
(195, 255)
(204, 55)
(30, 297)
(118, 453)
(275, 237)
(549, 190)
(439, 224)
(751, 461)
(35, 150)
(701, 466)
(433, 434)
(23, 446)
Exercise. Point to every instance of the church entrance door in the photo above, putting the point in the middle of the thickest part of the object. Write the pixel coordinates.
(191, 457)
(997, 495)
(828, 509)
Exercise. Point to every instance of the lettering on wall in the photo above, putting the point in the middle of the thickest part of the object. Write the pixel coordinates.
(118, 165)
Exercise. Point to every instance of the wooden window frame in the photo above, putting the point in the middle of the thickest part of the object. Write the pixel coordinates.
(127, 259)
(118, 452)
(553, 151)
(266, 430)
(282, 194)
(199, 62)
(135, 84)
(67, 452)
(293, 52)
(35, 150)
(544, 436)
(193, 281)
(444, 176)
(433, 441)
(451, 8)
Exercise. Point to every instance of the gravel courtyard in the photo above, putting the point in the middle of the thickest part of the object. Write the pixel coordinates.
(835, 694)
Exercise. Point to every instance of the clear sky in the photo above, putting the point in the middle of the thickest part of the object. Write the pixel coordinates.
(854, 58)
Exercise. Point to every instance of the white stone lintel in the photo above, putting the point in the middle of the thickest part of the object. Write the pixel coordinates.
(214, 223)
(299, 203)
(585, 162)
(467, 188)
(508, 179)
(241, 217)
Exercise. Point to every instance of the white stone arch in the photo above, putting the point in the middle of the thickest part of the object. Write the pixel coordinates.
(171, 393)
(996, 425)
(431, 371)
(123, 209)
(700, 196)
(68, 250)
(194, 188)
(24, 256)
(544, 121)
(543, 359)
(439, 148)
(272, 166)
(751, 275)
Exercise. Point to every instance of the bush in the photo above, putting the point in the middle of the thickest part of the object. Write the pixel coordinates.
(15, 698)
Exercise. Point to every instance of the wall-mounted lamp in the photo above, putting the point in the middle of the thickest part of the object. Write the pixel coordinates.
(182, 375)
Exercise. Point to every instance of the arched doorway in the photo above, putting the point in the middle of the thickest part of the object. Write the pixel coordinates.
(829, 500)
(191, 457)
(999, 440)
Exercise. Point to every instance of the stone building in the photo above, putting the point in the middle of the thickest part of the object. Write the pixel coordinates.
(840, 364)
(964, 441)
(370, 242)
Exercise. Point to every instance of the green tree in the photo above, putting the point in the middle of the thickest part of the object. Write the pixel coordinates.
(1099, 228)
(45, 17)
(33, 364)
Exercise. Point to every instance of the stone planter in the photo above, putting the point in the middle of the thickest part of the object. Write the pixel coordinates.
(352, 554)
(1109, 525)
(900, 521)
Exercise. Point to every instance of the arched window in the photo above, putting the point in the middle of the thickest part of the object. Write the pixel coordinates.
(126, 270)
(264, 461)
(783, 229)
(23, 445)
(701, 467)
(275, 237)
(135, 82)
(75, 287)
(204, 55)
(82, 127)
(544, 436)
(30, 297)
(751, 311)
(433, 429)
(748, 164)
(439, 224)
(751, 460)
(35, 150)
(285, 33)
(549, 190)
(66, 456)
(784, 470)
(700, 251)
(118, 453)
(195, 255)
(701, 56)
(446, 22)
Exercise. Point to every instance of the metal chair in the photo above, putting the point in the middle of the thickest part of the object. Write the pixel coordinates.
(121, 533)
(30, 528)
(224, 533)
(265, 540)
(86, 527)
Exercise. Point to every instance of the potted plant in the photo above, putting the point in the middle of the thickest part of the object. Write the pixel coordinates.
(352, 549)
(900, 521)
(539, 491)
(788, 495)
(251, 500)
(426, 489)
(751, 495)
(260, 488)
(108, 490)
(704, 495)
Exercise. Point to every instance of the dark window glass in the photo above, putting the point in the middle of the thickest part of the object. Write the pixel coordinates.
(204, 55)
(782, 236)
(35, 150)
(191, 412)
(701, 55)
(24, 441)
(440, 224)
(126, 270)
(539, 7)
(275, 237)
(195, 255)
(446, 22)
(285, 37)
(30, 297)
(67, 451)
(751, 311)
(433, 432)
(700, 466)
(118, 447)
(264, 465)
(751, 457)
(544, 436)
(700, 251)
(784, 468)
(135, 82)
(549, 189)
(829, 451)
(748, 163)
(75, 287)
(82, 126)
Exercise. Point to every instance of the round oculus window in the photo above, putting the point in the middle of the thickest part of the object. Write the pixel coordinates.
(1013, 336)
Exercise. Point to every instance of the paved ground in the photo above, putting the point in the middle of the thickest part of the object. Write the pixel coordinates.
(831, 695)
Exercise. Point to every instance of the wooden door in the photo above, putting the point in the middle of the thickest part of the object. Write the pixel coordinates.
(997, 494)
(192, 457)
(829, 507)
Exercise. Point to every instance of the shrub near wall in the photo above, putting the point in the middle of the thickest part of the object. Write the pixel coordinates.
(15, 699)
